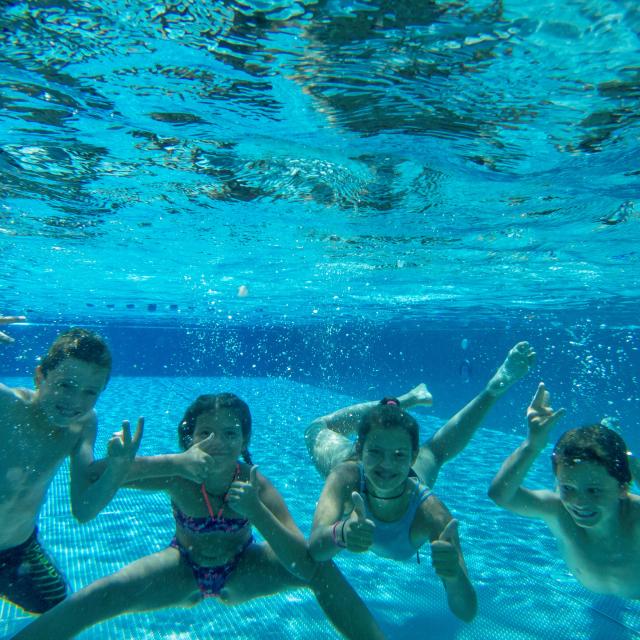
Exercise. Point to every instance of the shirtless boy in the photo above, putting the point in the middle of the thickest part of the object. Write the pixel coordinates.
(38, 430)
(592, 515)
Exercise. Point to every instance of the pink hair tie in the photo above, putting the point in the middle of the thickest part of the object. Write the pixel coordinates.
(393, 403)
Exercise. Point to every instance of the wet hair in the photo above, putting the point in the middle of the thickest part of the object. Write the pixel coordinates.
(387, 414)
(80, 344)
(593, 443)
(211, 403)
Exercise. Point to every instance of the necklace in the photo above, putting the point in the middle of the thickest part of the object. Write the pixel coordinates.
(223, 498)
(373, 495)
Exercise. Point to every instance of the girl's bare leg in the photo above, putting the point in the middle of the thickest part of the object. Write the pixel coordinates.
(153, 582)
(259, 573)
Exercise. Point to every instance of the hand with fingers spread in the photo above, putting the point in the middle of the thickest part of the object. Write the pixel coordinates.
(196, 463)
(244, 497)
(122, 447)
(541, 417)
(357, 531)
(444, 552)
(9, 320)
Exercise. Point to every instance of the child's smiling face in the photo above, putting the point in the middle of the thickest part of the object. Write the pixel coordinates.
(225, 427)
(588, 492)
(70, 390)
(387, 457)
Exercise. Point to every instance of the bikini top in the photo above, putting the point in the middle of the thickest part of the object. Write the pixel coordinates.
(393, 539)
(213, 522)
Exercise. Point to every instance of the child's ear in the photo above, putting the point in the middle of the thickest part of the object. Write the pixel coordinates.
(38, 376)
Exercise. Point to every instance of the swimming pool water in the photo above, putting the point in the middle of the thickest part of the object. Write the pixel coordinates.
(524, 589)
(386, 160)
(320, 201)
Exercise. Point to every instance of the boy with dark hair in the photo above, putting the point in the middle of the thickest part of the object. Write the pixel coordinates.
(592, 515)
(38, 430)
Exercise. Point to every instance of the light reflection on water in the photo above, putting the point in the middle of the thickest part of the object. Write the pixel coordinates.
(329, 156)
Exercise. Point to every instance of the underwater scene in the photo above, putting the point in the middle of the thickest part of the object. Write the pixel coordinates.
(377, 226)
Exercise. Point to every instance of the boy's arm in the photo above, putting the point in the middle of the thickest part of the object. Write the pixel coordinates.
(89, 497)
(506, 489)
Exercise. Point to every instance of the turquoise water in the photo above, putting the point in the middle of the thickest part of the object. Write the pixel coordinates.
(342, 160)
(524, 589)
(317, 202)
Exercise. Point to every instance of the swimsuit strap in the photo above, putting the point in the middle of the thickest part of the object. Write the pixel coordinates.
(224, 497)
(206, 500)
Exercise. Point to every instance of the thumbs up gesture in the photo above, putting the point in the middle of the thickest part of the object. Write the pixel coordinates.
(244, 497)
(196, 463)
(444, 552)
(358, 529)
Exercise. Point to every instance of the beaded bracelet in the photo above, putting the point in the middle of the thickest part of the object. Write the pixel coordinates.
(338, 543)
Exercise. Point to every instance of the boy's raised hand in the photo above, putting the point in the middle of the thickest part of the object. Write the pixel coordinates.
(122, 447)
(357, 531)
(444, 554)
(9, 320)
(541, 417)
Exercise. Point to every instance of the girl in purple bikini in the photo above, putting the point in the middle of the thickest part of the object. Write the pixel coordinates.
(213, 552)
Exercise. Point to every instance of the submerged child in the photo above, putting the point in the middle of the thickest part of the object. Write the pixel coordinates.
(328, 442)
(592, 515)
(38, 430)
(373, 503)
(9, 320)
(213, 552)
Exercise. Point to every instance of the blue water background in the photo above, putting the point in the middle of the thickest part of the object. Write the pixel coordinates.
(343, 161)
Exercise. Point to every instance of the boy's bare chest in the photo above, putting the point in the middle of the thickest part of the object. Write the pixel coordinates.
(611, 568)
(28, 462)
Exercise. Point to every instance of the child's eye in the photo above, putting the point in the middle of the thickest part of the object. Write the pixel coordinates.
(594, 491)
